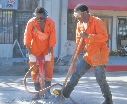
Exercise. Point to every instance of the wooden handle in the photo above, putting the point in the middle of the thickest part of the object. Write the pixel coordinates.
(72, 64)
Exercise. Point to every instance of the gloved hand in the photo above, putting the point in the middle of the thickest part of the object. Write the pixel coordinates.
(32, 58)
(48, 57)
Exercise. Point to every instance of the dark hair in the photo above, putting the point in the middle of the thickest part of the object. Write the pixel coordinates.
(39, 10)
(82, 8)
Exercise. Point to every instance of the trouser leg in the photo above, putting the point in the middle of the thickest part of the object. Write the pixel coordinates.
(81, 69)
(101, 80)
(47, 93)
(37, 88)
(34, 74)
(49, 67)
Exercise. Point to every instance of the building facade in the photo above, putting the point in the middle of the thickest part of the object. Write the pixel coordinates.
(112, 13)
(14, 15)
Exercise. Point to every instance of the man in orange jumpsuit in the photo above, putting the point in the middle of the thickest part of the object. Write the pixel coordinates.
(94, 34)
(39, 39)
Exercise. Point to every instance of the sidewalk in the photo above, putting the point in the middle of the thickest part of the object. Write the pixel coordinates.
(87, 91)
(115, 63)
(19, 66)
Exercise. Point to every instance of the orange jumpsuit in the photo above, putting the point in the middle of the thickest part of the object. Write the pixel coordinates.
(40, 47)
(95, 45)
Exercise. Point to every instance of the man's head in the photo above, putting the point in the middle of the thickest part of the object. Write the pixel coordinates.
(81, 12)
(40, 14)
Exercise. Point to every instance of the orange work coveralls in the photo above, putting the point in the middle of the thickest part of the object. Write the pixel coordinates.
(96, 50)
(39, 47)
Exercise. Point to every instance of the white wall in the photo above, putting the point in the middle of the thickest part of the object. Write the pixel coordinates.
(6, 50)
(114, 33)
(57, 10)
(64, 26)
(53, 12)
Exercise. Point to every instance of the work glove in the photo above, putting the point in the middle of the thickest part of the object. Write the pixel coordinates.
(32, 58)
(48, 57)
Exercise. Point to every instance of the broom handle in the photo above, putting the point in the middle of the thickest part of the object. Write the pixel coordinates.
(72, 64)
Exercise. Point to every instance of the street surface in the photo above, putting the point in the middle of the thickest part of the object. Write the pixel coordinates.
(87, 91)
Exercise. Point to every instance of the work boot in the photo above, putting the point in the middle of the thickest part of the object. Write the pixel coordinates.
(101, 80)
(66, 94)
(60, 98)
(48, 94)
(108, 99)
(37, 88)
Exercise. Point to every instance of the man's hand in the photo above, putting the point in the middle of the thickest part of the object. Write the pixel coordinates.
(32, 58)
(84, 34)
(72, 59)
(48, 57)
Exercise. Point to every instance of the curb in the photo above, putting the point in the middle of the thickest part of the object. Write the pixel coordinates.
(109, 68)
(13, 70)
(113, 68)
(22, 69)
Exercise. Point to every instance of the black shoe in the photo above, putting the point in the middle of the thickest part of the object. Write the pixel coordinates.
(107, 102)
(108, 99)
(36, 97)
(48, 95)
(60, 98)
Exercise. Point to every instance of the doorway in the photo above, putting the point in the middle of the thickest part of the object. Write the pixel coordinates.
(21, 20)
(108, 24)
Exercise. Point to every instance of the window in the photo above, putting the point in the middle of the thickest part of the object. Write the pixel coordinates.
(122, 32)
(6, 27)
(122, 28)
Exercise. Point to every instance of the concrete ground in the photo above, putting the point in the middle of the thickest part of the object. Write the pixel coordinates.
(87, 91)
(19, 66)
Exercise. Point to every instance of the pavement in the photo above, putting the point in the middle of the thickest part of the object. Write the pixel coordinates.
(12, 91)
(87, 91)
(19, 66)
